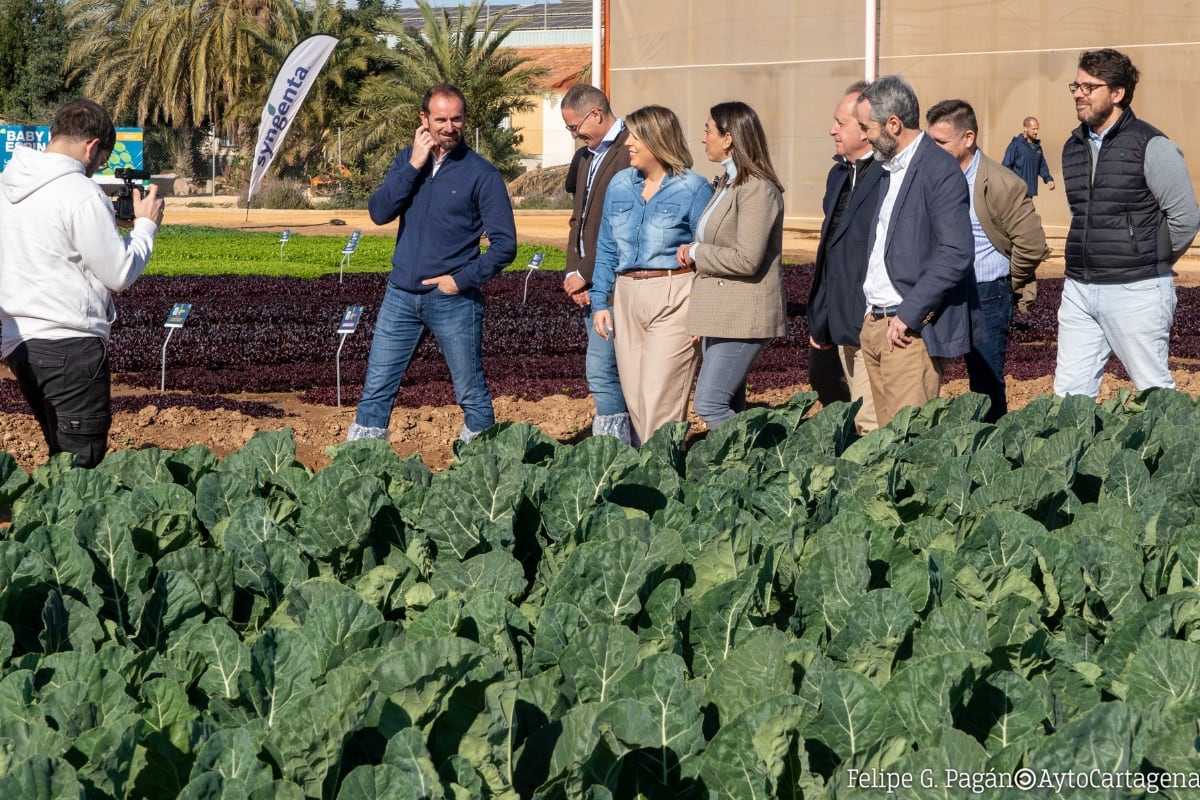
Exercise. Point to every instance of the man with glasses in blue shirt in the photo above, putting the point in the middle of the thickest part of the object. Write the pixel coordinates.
(1133, 214)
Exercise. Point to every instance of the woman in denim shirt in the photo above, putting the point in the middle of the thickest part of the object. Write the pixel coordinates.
(639, 292)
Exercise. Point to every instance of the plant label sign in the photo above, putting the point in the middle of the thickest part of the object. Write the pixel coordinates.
(283, 237)
(352, 244)
(178, 316)
(349, 323)
(536, 261)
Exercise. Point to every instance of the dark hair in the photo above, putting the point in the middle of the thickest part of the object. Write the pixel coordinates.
(443, 90)
(750, 153)
(84, 120)
(958, 113)
(891, 95)
(659, 128)
(582, 98)
(1114, 68)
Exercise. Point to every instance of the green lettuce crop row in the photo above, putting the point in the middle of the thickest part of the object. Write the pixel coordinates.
(188, 250)
(785, 610)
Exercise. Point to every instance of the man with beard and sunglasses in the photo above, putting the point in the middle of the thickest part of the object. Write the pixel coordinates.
(919, 276)
(1133, 214)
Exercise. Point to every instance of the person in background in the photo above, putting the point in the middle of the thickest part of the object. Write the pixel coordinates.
(1009, 243)
(589, 118)
(919, 283)
(445, 196)
(737, 303)
(639, 293)
(1024, 157)
(61, 259)
(835, 302)
(1133, 215)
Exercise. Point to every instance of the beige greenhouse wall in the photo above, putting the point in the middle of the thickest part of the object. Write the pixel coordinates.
(791, 60)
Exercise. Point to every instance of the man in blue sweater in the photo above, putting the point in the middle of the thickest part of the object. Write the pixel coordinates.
(446, 197)
(1024, 156)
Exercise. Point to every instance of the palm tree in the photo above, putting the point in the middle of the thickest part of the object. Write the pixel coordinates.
(461, 52)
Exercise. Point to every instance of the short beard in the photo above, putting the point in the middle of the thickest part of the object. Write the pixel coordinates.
(886, 146)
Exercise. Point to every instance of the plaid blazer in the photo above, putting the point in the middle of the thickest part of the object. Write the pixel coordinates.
(738, 290)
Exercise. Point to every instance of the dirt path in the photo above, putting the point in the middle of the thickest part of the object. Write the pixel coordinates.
(428, 430)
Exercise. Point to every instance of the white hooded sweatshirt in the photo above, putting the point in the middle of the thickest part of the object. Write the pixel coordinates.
(61, 254)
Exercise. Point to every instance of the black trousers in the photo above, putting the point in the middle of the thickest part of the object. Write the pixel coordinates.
(67, 384)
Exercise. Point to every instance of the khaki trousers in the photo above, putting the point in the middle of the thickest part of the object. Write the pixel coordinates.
(906, 376)
(855, 368)
(656, 358)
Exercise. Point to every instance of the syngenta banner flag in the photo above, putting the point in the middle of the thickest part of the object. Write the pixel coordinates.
(291, 86)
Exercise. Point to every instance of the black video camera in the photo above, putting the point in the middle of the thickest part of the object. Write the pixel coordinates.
(123, 204)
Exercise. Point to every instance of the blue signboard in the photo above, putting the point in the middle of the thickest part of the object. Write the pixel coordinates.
(178, 316)
(127, 153)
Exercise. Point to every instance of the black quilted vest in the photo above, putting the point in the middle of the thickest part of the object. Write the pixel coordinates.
(1116, 223)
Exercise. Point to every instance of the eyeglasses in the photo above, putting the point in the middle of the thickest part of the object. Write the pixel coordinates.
(1086, 88)
(575, 128)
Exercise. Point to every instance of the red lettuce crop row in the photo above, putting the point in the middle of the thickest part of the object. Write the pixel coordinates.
(252, 334)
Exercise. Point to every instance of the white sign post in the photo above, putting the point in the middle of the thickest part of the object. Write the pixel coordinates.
(283, 238)
(347, 251)
(535, 263)
(347, 326)
(178, 316)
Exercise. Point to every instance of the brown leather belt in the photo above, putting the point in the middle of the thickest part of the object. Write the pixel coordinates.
(642, 274)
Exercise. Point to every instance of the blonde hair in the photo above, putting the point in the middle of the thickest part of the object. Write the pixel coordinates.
(659, 129)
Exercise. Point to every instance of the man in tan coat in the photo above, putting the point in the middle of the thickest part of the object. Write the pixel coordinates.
(589, 118)
(1009, 244)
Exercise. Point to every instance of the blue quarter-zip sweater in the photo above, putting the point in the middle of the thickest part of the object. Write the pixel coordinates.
(442, 218)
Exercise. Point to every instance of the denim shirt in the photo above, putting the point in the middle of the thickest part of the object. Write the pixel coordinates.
(635, 234)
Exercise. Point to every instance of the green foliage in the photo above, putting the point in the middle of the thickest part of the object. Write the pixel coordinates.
(195, 250)
(547, 620)
(454, 46)
(287, 195)
(33, 46)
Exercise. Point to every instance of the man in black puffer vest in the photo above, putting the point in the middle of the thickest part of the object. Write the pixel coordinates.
(1133, 214)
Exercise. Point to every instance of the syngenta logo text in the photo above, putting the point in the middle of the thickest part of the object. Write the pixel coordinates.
(279, 116)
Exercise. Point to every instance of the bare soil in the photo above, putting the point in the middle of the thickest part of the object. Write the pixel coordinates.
(429, 430)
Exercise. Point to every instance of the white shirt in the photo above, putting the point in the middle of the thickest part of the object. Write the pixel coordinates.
(878, 286)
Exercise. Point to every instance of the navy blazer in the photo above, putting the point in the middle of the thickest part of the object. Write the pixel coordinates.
(835, 302)
(930, 251)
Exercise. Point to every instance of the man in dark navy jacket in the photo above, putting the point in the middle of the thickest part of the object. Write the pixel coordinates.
(919, 265)
(835, 303)
(446, 197)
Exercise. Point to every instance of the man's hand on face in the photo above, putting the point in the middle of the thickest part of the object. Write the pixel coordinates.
(149, 206)
(424, 143)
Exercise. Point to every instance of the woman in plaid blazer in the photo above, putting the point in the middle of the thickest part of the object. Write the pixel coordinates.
(737, 303)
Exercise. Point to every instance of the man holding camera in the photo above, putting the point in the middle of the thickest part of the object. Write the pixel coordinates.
(61, 257)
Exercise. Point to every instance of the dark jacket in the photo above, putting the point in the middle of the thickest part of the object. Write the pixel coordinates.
(585, 213)
(1118, 232)
(1028, 161)
(835, 302)
(442, 219)
(930, 251)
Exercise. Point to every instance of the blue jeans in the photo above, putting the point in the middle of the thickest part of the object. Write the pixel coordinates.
(721, 387)
(985, 361)
(600, 367)
(1132, 320)
(456, 321)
